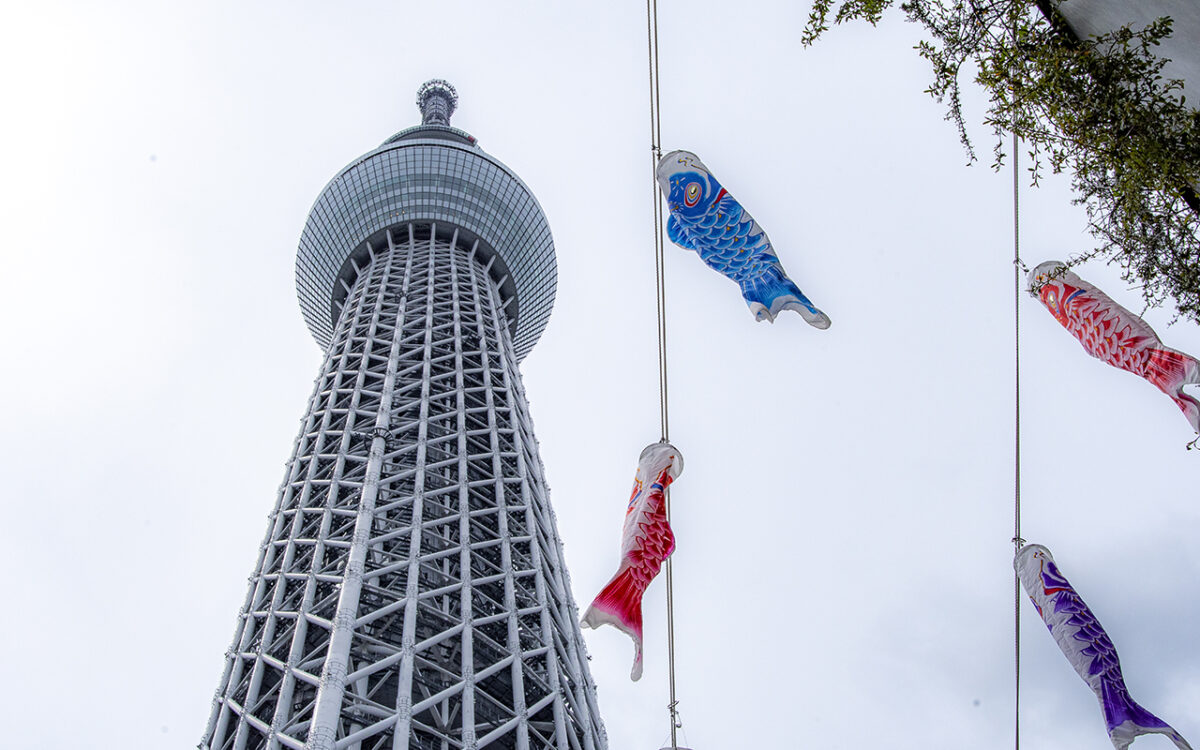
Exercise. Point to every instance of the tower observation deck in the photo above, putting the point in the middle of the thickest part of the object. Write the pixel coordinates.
(411, 590)
(428, 174)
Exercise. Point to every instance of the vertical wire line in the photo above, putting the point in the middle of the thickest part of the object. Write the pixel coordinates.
(661, 310)
(655, 155)
(1017, 541)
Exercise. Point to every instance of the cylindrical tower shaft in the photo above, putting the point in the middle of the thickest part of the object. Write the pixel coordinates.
(411, 591)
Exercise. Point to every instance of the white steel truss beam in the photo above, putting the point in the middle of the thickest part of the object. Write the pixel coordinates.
(410, 592)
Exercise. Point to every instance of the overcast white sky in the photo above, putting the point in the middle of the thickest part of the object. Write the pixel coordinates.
(844, 566)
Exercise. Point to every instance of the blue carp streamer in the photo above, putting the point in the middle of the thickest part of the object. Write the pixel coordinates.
(707, 219)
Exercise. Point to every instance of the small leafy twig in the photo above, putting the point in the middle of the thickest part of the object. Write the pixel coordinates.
(1098, 108)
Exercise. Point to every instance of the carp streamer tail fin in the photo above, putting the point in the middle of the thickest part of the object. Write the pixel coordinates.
(772, 292)
(620, 605)
(1190, 408)
(1127, 719)
(1170, 370)
(1124, 735)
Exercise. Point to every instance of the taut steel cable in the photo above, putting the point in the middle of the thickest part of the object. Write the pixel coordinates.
(1017, 541)
(661, 297)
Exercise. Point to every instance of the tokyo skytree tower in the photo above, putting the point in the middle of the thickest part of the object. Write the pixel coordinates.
(411, 590)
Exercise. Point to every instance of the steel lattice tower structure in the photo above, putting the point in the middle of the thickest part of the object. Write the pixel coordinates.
(411, 590)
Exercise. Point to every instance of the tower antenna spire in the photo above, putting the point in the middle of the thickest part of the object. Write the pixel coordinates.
(437, 100)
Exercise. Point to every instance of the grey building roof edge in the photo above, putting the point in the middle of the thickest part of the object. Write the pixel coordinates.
(1080, 19)
(1070, 20)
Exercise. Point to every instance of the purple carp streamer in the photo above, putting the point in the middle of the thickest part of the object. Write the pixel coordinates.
(707, 219)
(1088, 648)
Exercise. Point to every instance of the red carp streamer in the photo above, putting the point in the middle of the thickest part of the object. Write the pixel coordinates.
(646, 542)
(1111, 333)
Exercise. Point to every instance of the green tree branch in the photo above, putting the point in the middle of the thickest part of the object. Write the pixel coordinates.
(1099, 109)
